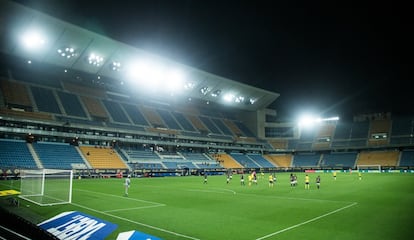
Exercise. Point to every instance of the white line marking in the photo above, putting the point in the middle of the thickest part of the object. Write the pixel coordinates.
(127, 209)
(228, 190)
(306, 222)
(112, 195)
(135, 222)
(211, 191)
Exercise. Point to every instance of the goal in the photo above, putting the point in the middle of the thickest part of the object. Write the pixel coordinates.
(46, 187)
(369, 168)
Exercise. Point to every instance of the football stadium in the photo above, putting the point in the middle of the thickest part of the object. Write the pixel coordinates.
(102, 140)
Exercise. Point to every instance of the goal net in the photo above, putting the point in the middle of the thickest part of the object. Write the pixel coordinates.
(369, 168)
(46, 187)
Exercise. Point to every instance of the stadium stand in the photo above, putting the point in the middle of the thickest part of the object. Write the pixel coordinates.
(115, 111)
(15, 95)
(198, 124)
(135, 115)
(15, 154)
(279, 144)
(183, 121)
(244, 129)
(45, 100)
(94, 107)
(226, 160)
(407, 158)
(244, 160)
(280, 160)
(169, 119)
(339, 160)
(383, 158)
(103, 158)
(71, 104)
(222, 126)
(58, 155)
(210, 125)
(137, 155)
(402, 131)
(260, 160)
(233, 127)
(153, 117)
(306, 160)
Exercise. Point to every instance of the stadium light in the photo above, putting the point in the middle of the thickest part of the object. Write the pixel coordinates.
(95, 59)
(33, 40)
(174, 79)
(189, 85)
(116, 66)
(306, 120)
(67, 52)
(156, 76)
(310, 120)
(228, 97)
(216, 93)
(239, 99)
(204, 90)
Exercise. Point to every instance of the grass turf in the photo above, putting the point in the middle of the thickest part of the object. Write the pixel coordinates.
(380, 206)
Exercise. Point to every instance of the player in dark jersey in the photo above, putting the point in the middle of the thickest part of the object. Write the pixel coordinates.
(318, 182)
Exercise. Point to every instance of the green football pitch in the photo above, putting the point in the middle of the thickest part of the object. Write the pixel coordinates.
(380, 206)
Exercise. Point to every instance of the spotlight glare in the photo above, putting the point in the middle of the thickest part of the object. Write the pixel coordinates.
(228, 97)
(33, 40)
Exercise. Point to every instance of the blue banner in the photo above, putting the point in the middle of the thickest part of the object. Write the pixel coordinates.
(78, 226)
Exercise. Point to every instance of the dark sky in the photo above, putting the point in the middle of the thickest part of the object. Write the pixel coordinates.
(334, 58)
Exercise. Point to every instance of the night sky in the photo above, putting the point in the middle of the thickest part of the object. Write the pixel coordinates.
(326, 57)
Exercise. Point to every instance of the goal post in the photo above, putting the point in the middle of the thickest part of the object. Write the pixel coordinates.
(369, 168)
(46, 187)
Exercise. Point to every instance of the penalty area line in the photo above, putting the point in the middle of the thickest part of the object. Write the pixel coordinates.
(308, 221)
(135, 222)
(116, 196)
(135, 208)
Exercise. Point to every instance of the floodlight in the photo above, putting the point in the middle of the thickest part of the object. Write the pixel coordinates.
(33, 40)
(116, 66)
(228, 97)
(66, 52)
(307, 120)
(239, 99)
(147, 70)
(204, 90)
(175, 79)
(216, 93)
(189, 85)
(95, 59)
(331, 119)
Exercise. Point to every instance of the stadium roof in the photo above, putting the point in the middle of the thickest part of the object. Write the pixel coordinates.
(34, 36)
